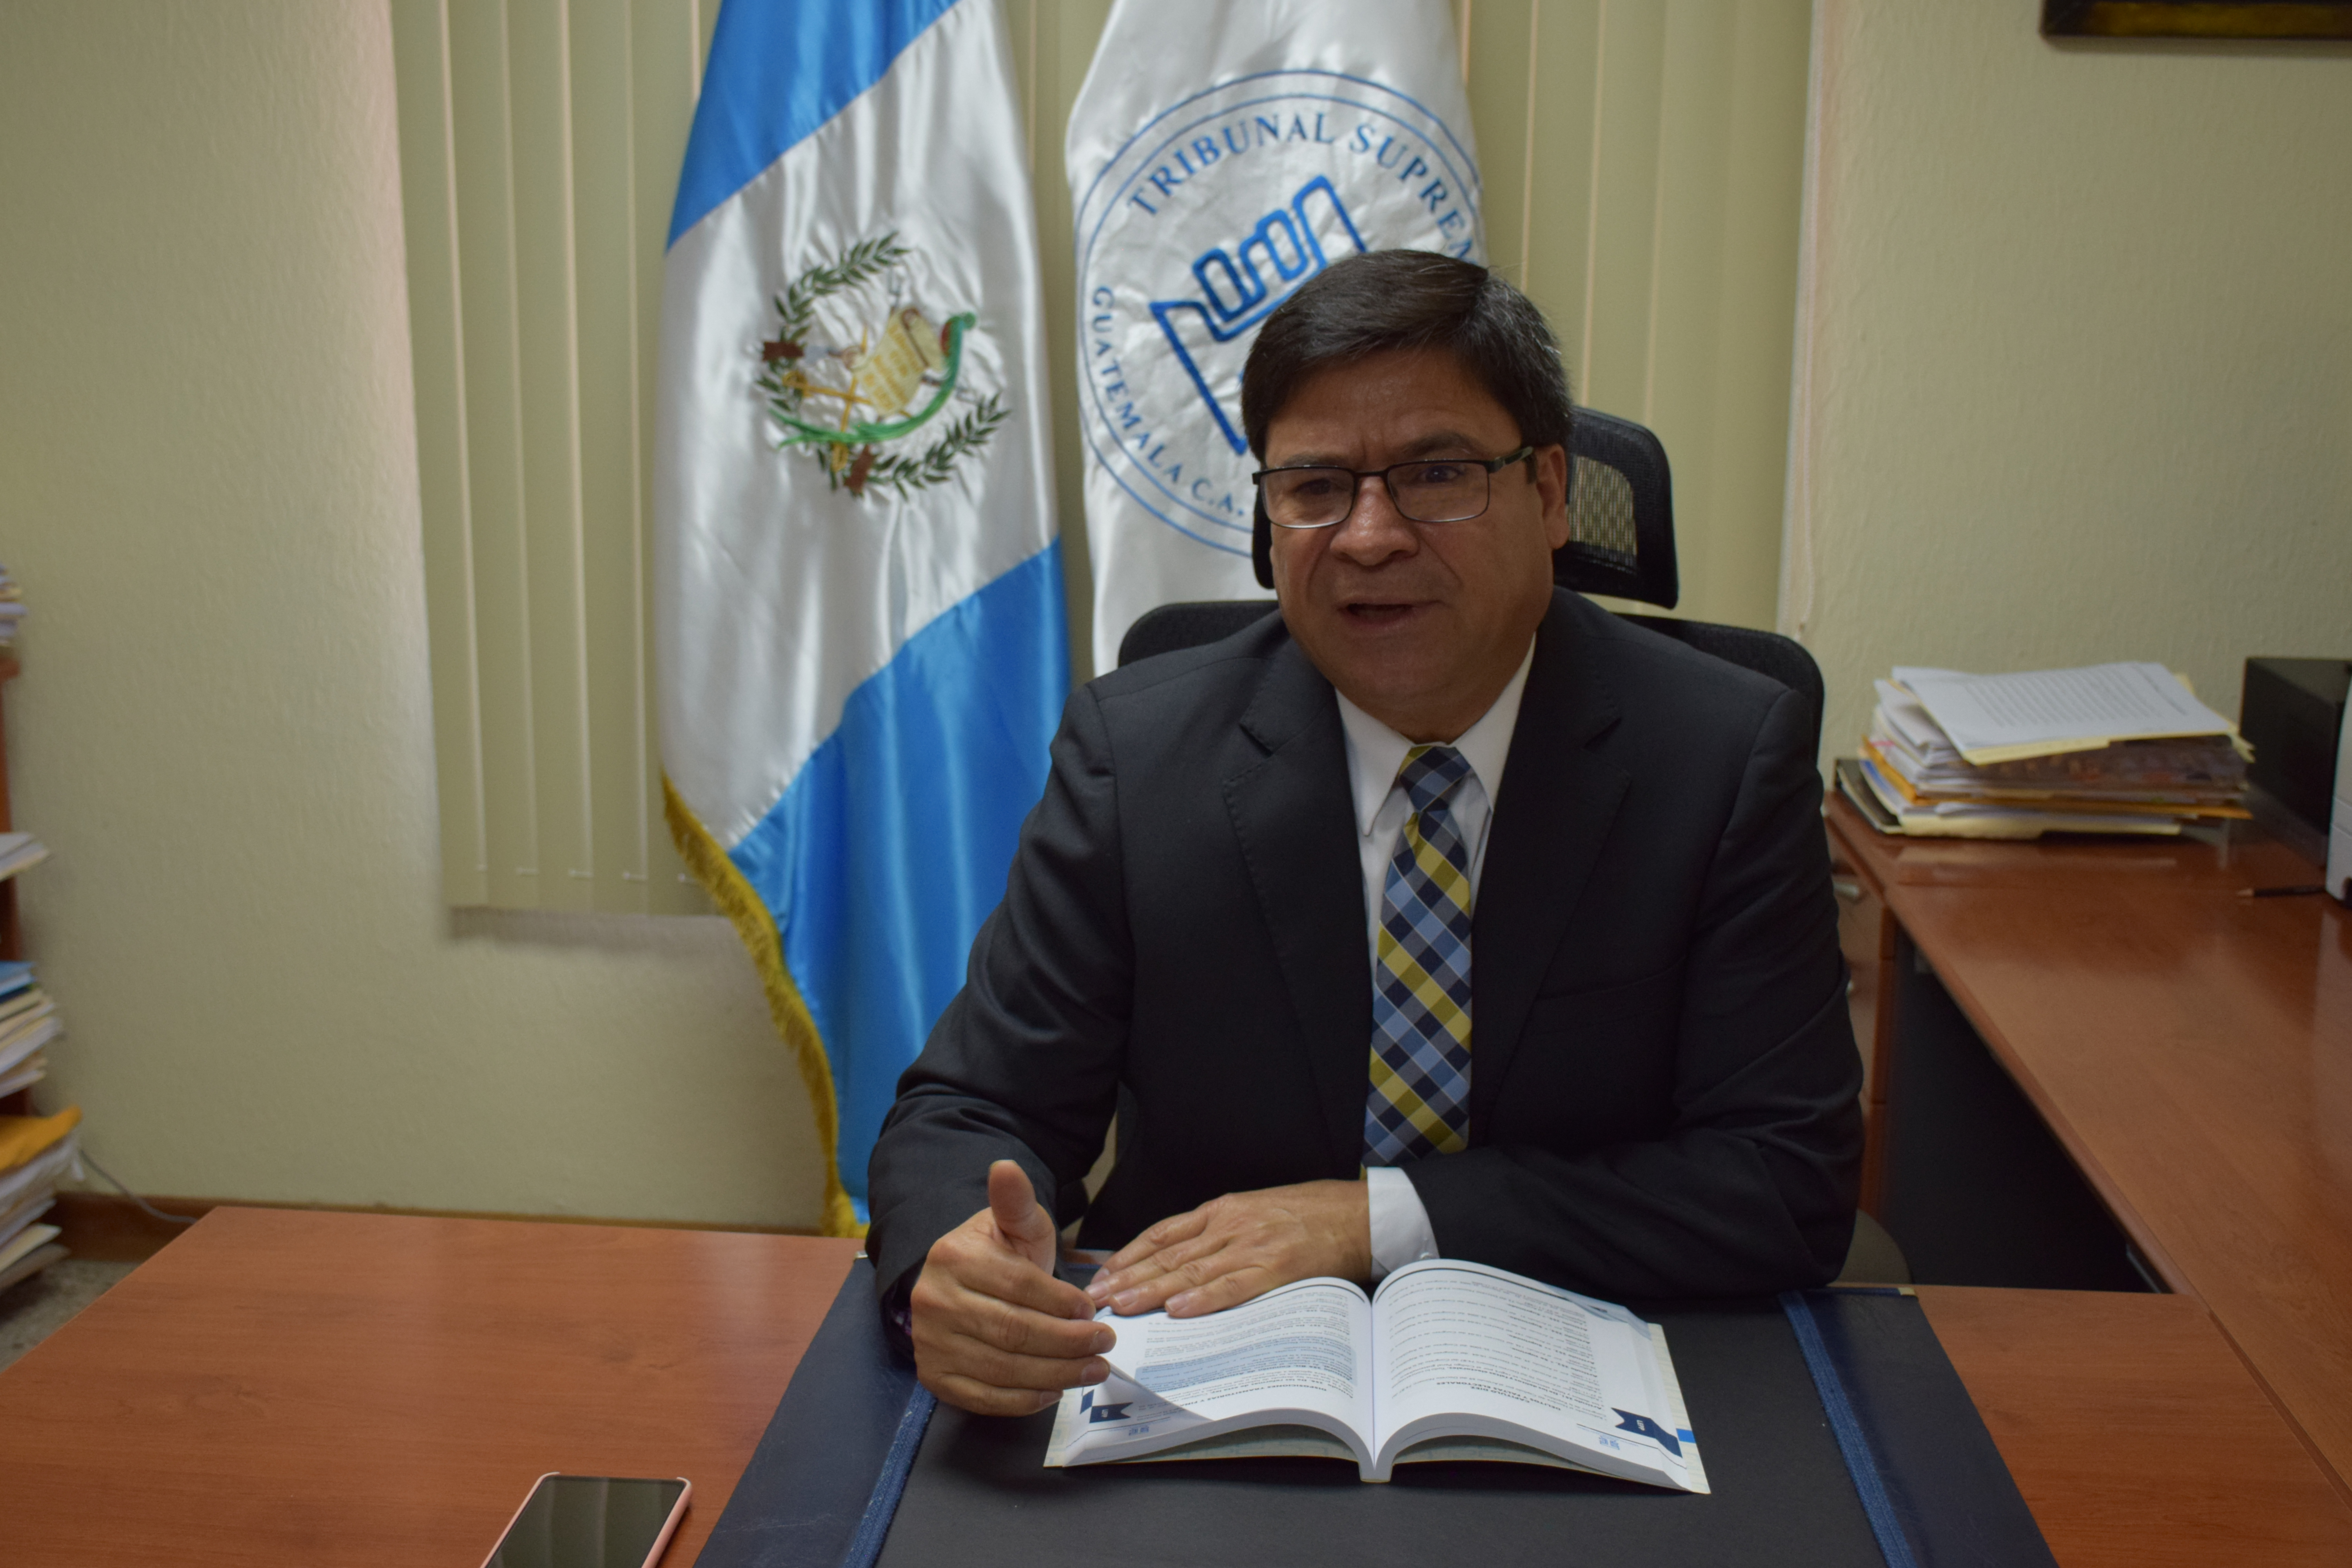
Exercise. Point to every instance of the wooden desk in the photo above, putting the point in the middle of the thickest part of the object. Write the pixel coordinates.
(2191, 1050)
(303, 1388)
(2137, 1436)
(280, 1388)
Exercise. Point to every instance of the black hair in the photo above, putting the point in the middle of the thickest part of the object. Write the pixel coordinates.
(1390, 299)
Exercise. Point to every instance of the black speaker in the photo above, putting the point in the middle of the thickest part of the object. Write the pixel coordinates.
(2291, 710)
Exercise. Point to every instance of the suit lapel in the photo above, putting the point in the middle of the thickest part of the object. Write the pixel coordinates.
(1559, 800)
(1294, 820)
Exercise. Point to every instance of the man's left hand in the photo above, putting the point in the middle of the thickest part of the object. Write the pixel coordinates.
(1239, 1247)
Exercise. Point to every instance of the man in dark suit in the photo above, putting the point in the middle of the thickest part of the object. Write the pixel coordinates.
(1444, 914)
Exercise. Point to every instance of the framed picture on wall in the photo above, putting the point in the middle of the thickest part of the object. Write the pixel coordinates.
(2275, 19)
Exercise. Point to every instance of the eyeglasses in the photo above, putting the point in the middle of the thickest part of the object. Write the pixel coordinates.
(1429, 490)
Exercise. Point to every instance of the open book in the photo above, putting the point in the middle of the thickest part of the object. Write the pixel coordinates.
(1447, 1359)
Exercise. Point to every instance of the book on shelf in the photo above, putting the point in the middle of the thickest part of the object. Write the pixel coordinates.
(27, 1072)
(32, 1263)
(11, 607)
(27, 999)
(24, 1137)
(1447, 1359)
(26, 1033)
(36, 1153)
(39, 1173)
(28, 1025)
(20, 851)
(15, 1216)
(26, 1241)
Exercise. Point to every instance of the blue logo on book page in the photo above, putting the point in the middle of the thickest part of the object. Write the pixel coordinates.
(1094, 1412)
(1643, 1425)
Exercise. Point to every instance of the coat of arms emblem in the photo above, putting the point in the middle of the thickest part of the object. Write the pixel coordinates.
(857, 404)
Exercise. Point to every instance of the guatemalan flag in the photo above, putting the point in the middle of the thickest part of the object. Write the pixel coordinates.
(859, 591)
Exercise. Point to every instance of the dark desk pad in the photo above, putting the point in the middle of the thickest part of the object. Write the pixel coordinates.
(977, 1498)
(821, 1488)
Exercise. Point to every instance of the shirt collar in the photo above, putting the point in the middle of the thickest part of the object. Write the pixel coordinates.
(1375, 752)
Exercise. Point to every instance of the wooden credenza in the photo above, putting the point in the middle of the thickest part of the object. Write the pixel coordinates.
(2097, 1065)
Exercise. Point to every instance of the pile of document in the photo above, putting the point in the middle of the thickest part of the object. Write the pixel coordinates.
(36, 1153)
(12, 608)
(2111, 747)
(28, 1021)
(18, 851)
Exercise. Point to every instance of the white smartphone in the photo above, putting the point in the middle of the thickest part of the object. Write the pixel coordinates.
(591, 1522)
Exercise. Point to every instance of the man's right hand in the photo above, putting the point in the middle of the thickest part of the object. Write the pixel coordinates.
(994, 1331)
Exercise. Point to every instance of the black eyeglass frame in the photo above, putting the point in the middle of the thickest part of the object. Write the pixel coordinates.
(1388, 481)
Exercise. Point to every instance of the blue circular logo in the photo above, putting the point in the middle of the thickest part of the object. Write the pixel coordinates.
(1207, 218)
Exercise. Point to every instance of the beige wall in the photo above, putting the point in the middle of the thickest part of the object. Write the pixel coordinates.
(208, 488)
(2080, 388)
(2081, 345)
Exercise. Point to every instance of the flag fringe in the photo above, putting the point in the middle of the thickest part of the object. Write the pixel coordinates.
(757, 927)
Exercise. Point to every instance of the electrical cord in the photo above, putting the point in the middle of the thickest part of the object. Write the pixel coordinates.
(149, 1210)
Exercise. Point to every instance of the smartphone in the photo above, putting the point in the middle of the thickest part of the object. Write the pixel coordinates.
(591, 1522)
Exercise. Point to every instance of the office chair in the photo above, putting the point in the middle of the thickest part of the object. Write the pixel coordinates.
(1620, 542)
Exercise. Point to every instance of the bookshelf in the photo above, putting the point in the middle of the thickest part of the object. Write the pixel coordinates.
(12, 931)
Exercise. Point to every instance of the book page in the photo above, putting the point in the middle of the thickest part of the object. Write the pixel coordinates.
(16, 1046)
(1298, 1346)
(1465, 1349)
(1299, 1354)
(1677, 1415)
(1116, 1421)
(49, 1166)
(1280, 1440)
(1487, 1451)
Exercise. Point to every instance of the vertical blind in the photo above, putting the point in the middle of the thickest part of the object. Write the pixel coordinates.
(1642, 163)
(540, 143)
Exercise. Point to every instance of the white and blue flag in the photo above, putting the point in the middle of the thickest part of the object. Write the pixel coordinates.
(1222, 153)
(858, 615)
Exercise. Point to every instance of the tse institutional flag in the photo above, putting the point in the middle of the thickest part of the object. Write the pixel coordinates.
(857, 587)
(1222, 153)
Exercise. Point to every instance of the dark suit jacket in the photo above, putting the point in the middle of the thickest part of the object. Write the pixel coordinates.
(1663, 1076)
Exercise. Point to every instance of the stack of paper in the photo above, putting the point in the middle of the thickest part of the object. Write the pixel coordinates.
(12, 608)
(20, 851)
(36, 1153)
(2113, 747)
(28, 1022)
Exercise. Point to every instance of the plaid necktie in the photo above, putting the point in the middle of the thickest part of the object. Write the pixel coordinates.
(1419, 1099)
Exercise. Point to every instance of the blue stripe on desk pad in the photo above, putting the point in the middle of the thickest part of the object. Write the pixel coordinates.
(822, 1485)
(1926, 1467)
(1894, 1541)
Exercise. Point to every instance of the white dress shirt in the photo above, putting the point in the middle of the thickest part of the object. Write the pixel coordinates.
(1400, 1230)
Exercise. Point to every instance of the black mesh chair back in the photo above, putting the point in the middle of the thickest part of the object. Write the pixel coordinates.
(1621, 513)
